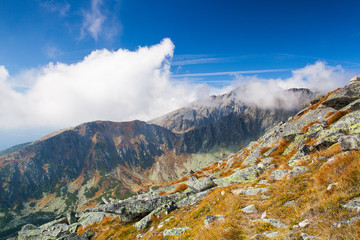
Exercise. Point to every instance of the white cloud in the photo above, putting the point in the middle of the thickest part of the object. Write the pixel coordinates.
(94, 20)
(268, 93)
(106, 85)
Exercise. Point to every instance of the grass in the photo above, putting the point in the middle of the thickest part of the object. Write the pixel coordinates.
(305, 128)
(336, 116)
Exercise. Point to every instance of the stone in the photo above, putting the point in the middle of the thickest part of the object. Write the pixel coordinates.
(89, 233)
(273, 234)
(274, 222)
(304, 223)
(353, 205)
(175, 231)
(249, 191)
(212, 218)
(347, 222)
(289, 203)
(201, 184)
(105, 200)
(93, 217)
(263, 215)
(71, 218)
(241, 176)
(331, 186)
(279, 174)
(355, 80)
(192, 199)
(350, 142)
(139, 236)
(250, 209)
(306, 236)
(161, 225)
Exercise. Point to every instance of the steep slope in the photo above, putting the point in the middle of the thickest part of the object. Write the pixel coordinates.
(300, 180)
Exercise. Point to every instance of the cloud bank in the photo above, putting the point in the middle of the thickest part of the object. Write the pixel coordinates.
(125, 85)
(271, 93)
(106, 85)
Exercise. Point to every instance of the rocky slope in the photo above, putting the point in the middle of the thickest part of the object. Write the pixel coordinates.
(300, 180)
(76, 167)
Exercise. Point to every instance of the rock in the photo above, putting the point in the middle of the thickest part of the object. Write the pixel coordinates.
(89, 234)
(249, 191)
(222, 193)
(289, 203)
(73, 236)
(279, 174)
(139, 236)
(175, 231)
(353, 205)
(355, 79)
(273, 222)
(264, 197)
(304, 223)
(306, 236)
(347, 222)
(273, 234)
(201, 184)
(133, 208)
(331, 186)
(212, 218)
(161, 225)
(192, 199)
(263, 215)
(339, 102)
(241, 176)
(71, 218)
(350, 142)
(168, 219)
(250, 209)
(93, 217)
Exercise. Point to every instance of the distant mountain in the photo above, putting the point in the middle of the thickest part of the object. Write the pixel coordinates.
(76, 167)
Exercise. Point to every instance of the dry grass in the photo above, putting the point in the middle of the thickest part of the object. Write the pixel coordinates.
(328, 114)
(280, 148)
(178, 189)
(315, 106)
(305, 128)
(336, 116)
(310, 141)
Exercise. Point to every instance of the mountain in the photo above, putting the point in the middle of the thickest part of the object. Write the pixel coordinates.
(75, 168)
(300, 180)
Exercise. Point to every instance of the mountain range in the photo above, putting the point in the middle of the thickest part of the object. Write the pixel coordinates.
(76, 168)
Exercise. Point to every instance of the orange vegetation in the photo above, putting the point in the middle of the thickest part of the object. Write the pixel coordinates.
(305, 128)
(179, 188)
(336, 116)
(45, 201)
(328, 114)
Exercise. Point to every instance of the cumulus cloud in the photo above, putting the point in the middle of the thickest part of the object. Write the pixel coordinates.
(272, 93)
(106, 85)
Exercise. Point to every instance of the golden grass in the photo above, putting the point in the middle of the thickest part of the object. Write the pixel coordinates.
(305, 128)
(178, 189)
(328, 114)
(315, 106)
(280, 148)
(336, 116)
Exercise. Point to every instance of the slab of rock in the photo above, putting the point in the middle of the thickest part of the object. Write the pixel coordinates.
(353, 205)
(175, 231)
(272, 234)
(350, 142)
(279, 174)
(241, 176)
(304, 223)
(212, 218)
(250, 209)
(191, 199)
(347, 222)
(249, 191)
(202, 184)
(274, 222)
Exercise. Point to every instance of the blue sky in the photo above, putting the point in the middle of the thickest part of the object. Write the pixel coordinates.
(211, 42)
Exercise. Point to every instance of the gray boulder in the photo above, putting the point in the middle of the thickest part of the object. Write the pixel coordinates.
(212, 218)
(175, 231)
(350, 142)
(202, 184)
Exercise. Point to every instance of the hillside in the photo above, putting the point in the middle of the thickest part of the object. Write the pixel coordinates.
(74, 168)
(300, 180)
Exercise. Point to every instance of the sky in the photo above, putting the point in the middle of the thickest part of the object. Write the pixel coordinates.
(65, 62)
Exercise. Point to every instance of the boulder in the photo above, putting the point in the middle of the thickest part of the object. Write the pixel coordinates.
(249, 191)
(250, 209)
(241, 176)
(350, 142)
(175, 231)
(202, 184)
(355, 79)
(274, 222)
(353, 205)
(304, 223)
(279, 174)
